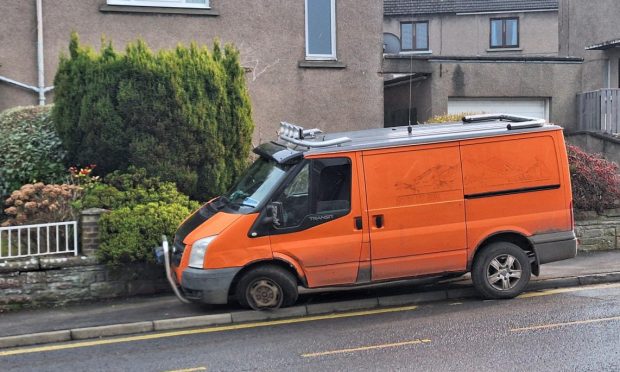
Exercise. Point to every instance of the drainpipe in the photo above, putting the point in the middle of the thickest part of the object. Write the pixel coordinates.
(40, 65)
(40, 89)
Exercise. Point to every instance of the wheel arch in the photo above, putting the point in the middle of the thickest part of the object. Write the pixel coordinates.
(513, 237)
(272, 262)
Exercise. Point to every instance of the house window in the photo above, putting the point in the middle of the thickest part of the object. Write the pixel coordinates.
(505, 33)
(321, 29)
(202, 4)
(414, 35)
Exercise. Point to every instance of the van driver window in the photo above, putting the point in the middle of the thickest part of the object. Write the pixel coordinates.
(294, 199)
(322, 187)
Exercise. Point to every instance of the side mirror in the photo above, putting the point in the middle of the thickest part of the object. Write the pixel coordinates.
(273, 214)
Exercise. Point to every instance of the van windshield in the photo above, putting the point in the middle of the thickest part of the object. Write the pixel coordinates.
(256, 184)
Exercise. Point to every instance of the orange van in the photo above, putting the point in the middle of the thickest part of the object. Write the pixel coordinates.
(490, 195)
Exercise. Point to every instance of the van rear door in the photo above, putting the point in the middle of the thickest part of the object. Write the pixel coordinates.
(416, 210)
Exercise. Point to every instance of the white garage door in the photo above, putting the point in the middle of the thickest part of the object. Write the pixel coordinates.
(532, 107)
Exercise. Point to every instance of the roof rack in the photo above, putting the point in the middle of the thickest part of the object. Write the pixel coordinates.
(519, 122)
(295, 134)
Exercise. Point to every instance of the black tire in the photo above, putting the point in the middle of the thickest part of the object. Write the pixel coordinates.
(266, 288)
(495, 269)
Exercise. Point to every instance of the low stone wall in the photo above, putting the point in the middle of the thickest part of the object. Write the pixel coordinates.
(63, 280)
(598, 232)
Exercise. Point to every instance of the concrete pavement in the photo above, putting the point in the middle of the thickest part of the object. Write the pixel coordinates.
(139, 315)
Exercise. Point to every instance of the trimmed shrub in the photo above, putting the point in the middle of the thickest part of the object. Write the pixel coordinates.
(131, 189)
(143, 208)
(595, 181)
(184, 114)
(129, 234)
(31, 149)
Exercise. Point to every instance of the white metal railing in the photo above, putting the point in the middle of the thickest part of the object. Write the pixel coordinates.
(38, 240)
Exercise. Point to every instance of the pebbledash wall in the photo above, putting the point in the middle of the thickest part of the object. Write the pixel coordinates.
(57, 281)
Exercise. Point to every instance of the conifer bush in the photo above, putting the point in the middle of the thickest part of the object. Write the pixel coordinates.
(30, 150)
(183, 114)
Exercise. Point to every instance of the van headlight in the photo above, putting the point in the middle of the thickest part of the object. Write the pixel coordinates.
(199, 249)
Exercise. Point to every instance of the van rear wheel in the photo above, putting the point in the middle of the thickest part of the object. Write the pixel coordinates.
(501, 270)
(267, 288)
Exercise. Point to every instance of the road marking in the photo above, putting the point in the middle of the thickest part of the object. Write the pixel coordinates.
(545, 326)
(189, 369)
(363, 348)
(153, 336)
(548, 292)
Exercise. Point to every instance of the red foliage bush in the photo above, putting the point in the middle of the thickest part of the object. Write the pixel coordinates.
(596, 183)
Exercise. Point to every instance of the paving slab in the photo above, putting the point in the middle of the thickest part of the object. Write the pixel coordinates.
(192, 321)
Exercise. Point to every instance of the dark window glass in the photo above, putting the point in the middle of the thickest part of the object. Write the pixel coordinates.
(421, 35)
(321, 187)
(496, 33)
(406, 36)
(331, 181)
(512, 32)
(414, 35)
(319, 26)
(504, 33)
(294, 199)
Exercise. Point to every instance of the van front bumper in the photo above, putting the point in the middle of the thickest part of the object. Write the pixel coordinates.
(208, 286)
(554, 246)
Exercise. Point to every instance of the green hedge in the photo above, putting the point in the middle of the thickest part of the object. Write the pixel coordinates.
(184, 114)
(142, 209)
(129, 234)
(130, 189)
(31, 150)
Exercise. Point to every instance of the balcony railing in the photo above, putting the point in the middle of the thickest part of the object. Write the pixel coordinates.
(599, 111)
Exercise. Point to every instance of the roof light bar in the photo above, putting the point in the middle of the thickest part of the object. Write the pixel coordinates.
(296, 134)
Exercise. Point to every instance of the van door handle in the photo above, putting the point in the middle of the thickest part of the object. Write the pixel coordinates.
(358, 223)
(379, 221)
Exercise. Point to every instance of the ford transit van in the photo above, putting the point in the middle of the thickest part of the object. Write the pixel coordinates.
(490, 195)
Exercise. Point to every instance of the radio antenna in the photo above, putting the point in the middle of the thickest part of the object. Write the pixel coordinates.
(410, 71)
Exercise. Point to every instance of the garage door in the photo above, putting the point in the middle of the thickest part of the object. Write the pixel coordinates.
(532, 107)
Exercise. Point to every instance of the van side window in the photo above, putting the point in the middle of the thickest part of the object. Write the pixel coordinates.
(332, 185)
(321, 188)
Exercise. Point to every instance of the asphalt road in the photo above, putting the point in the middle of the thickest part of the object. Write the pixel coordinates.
(576, 329)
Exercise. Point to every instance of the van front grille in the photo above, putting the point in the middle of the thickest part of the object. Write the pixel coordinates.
(177, 251)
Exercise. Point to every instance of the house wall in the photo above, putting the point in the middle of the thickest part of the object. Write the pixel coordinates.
(397, 99)
(271, 40)
(556, 82)
(469, 35)
(585, 23)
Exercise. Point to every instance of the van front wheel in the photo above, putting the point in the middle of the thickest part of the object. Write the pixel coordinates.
(267, 288)
(501, 270)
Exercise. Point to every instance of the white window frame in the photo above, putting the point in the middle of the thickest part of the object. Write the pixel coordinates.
(162, 4)
(322, 57)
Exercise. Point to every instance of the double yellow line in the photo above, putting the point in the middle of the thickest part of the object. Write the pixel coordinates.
(154, 336)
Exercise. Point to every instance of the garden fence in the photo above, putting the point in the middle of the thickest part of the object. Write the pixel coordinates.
(599, 111)
(39, 240)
